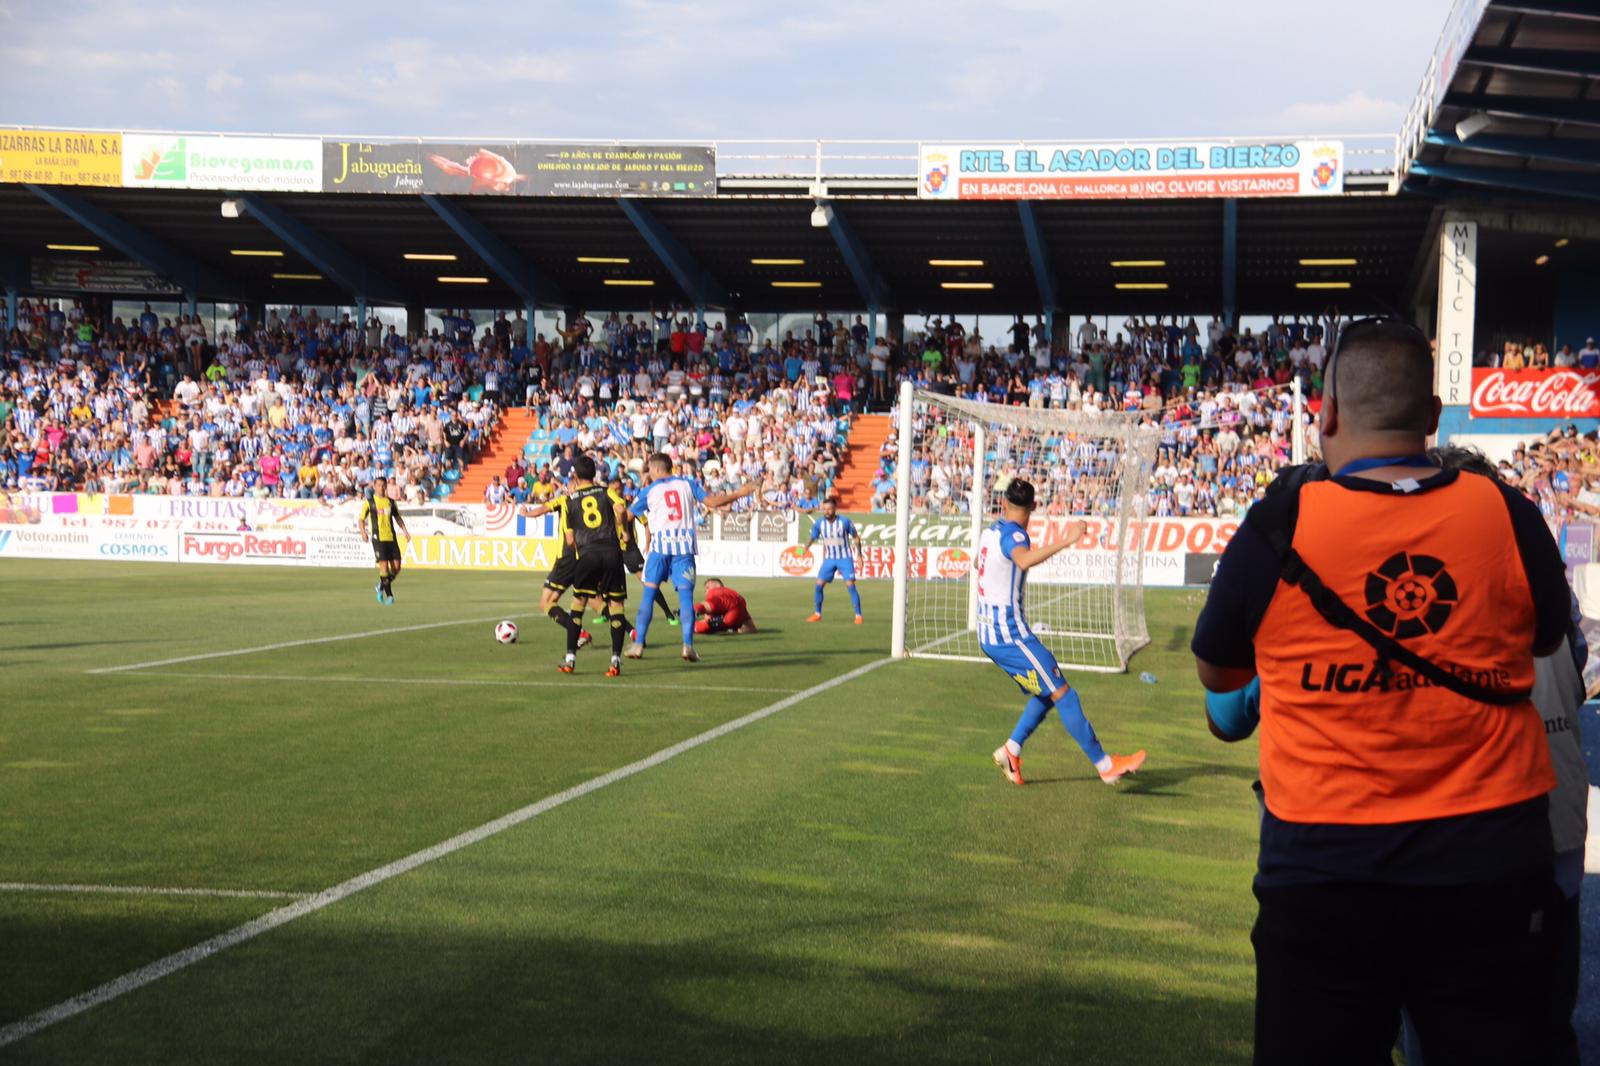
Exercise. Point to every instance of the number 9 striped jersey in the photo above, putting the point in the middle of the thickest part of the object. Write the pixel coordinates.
(669, 505)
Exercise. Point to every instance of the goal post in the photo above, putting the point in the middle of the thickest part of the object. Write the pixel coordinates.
(954, 459)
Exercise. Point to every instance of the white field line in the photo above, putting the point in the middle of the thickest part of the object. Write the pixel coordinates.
(298, 644)
(148, 890)
(615, 686)
(180, 960)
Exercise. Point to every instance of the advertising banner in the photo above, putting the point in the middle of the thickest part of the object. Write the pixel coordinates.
(1458, 309)
(1553, 394)
(1119, 171)
(372, 166)
(54, 542)
(61, 157)
(467, 168)
(480, 553)
(77, 274)
(620, 169)
(1577, 545)
(1154, 534)
(187, 161)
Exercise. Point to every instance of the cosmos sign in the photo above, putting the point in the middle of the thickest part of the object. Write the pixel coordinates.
(466, 168)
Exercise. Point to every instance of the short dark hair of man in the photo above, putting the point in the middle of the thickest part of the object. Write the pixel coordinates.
(1381, 377)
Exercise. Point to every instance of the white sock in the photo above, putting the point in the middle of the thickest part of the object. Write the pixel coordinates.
(1014, 748)
(1104, 764)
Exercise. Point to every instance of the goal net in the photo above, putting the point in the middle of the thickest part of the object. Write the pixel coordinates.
(954, 460)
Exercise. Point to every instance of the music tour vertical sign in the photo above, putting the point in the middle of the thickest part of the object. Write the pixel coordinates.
(1458, 307)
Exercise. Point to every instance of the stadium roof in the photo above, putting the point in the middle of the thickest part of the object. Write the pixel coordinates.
(1510, 102)
(705, 249)
(1506, 126)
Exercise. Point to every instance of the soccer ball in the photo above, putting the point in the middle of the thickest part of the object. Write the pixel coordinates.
(506, 632)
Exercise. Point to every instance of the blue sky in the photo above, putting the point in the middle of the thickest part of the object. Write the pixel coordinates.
(937, 70)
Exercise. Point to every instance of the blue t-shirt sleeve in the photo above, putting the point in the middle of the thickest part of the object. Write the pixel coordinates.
(1012, 539)
(849, 528)
(641, 504)
(699, 491)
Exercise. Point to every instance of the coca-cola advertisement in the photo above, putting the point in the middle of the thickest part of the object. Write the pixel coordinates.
(1555, 394)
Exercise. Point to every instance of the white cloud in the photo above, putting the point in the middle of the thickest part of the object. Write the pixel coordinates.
(221, 81)
(1356, 112)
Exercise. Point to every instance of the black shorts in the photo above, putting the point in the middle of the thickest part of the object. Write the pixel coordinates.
(601, 573)
(632, 558)
(386, 551)
(561, 574)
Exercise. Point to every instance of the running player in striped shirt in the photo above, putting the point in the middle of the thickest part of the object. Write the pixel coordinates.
(669, 502)
(841, 544)
(1005, 555)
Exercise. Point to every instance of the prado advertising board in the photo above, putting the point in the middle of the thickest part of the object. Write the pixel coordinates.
(475, 168)
(61, 157)
(248, 164)
(1115, 170)
(1554, 394)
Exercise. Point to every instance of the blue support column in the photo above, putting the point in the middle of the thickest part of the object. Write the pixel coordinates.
(1039, 256)
(700, 316)
(335, 263)
(513, 268)
(869, 283)
(191, 303)
(13, 275)
(1230, 263)
(697, 284)
(361, 316)
(872, 326)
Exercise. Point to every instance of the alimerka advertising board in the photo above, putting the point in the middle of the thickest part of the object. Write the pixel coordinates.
(1122, 170)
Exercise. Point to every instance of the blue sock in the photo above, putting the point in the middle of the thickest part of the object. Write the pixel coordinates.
(816, 597)
(1070, 711)
(1032, 715)
(641, 624)
(855, 597)
(686, 611)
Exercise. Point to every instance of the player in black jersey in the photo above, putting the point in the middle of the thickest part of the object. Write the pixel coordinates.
(633, 558)
(559, 580)
(596, 530)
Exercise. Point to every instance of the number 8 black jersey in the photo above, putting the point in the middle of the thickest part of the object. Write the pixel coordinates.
(592, 518)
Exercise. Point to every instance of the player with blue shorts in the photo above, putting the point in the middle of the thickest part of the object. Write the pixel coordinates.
(669, 502)
(1005, 555)
(841, 544)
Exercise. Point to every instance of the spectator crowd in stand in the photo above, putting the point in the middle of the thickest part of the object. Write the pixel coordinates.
(302, 406)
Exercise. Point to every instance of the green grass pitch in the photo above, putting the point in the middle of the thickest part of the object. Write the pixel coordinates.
(848, 880)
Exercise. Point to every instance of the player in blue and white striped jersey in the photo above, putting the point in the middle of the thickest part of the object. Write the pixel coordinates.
(841, 544)
(1005, 555)
(669, 501)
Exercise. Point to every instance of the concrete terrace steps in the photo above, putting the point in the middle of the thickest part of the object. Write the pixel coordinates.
(507, 442)
(859, 465)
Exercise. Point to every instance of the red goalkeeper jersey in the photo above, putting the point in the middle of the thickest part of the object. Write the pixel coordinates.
(722, 600)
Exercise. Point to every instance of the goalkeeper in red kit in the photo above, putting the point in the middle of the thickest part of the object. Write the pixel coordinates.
(724, 611)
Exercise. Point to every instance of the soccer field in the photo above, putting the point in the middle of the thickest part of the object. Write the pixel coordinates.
(845, 879)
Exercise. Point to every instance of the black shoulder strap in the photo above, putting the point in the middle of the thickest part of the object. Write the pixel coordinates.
(1337, 613)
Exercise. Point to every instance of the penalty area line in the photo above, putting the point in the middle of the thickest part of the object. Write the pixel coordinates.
(202, 657)
(180, 960)
(148, 890)
(613, 686)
